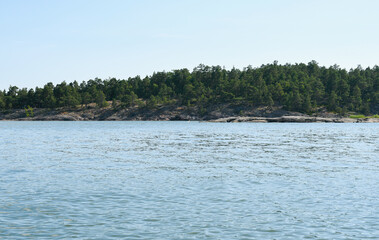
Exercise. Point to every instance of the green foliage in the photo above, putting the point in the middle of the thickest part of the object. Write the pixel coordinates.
(29, 112)
(152, 102)
(100, 99)
(86, 98)
(114, 103)
(298, 87)
(333, 102)
(129, 100)
(2, 102)
(48, 98)
(363, 116)
(307, 106)
(357, 116)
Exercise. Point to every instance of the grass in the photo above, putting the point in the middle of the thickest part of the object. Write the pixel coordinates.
(363, 116)
(357, 116)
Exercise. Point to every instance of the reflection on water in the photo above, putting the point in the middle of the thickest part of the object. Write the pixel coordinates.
(188, 180)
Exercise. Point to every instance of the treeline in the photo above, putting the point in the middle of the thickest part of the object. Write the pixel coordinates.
(297, 87)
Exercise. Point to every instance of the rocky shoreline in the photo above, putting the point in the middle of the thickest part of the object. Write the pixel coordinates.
(297, 119)
(217, 113)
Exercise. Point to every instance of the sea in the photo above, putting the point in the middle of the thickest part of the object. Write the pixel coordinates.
(188, 180)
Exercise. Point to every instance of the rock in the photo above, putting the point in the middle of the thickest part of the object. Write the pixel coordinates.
(214, 113)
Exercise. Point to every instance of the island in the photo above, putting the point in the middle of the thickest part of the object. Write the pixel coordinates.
(270, 93)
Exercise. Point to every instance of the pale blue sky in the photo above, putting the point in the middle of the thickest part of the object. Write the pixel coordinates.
(50, 41)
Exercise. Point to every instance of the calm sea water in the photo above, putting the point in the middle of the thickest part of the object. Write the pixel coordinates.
(188, 180)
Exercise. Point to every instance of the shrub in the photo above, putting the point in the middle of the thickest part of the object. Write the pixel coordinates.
(29, 112)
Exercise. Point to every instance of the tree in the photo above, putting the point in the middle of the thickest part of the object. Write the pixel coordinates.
(114, 103)
(307, 106)
(296, 102)
(267, 99)
(48, 98)
(356, 98)
(343, 90)
(129, 100)
(277, 92)
(86, 99)
(100, 99)
(299, 87)
(189, 93)
(2, 102)
(151, 102)
(332, 102)
(365, 109)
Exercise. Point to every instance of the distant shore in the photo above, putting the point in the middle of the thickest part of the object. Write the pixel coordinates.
(298, 119)
(216, 113)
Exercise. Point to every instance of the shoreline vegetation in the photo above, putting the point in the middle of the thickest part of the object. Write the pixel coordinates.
(217, 113)
(270, 93)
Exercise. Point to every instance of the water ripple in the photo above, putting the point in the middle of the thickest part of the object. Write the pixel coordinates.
(188, 180)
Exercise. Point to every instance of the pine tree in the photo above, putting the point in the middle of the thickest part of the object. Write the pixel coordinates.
(100, 99)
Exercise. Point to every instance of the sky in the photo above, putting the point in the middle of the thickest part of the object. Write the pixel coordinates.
(45, 41)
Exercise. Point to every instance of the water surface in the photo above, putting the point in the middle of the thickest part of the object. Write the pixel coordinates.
(188, 180)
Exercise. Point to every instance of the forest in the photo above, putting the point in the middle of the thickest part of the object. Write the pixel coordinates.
(297, 87)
